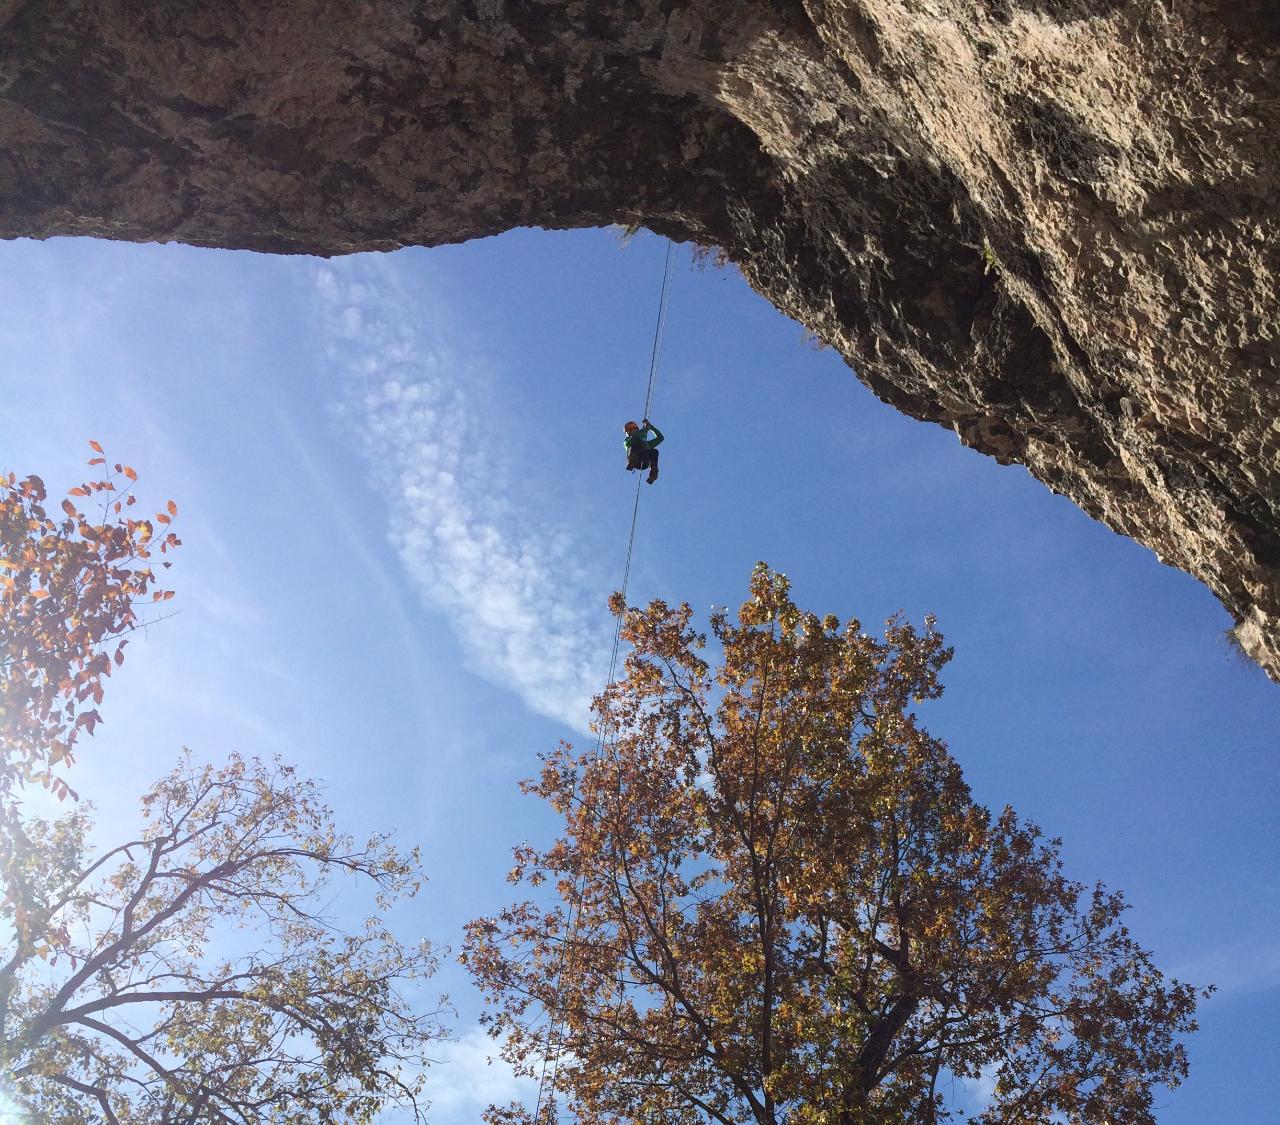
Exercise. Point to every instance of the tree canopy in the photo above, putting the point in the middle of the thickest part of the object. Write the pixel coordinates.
(778, 902)
(189, 974)
(70, 585)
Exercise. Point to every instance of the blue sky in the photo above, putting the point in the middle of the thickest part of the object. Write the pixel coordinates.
(402, 497)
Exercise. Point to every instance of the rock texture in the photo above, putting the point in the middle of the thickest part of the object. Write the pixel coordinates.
(1048, 224)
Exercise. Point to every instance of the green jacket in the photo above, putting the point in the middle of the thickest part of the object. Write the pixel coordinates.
(638, 440)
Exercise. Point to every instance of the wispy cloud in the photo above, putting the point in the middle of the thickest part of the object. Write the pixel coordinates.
(468, 1076)
(982, 1089)
(468, 529)
(1239, 968)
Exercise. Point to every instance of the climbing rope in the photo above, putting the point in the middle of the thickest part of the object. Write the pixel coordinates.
(658, 329)
(602, 735)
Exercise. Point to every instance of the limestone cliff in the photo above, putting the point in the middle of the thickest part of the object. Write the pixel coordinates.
(1048, 224)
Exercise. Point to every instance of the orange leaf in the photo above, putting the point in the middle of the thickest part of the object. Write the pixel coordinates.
(162, 517)
(41, 593)
(173, 508)
(95, 447)
(130, 473)
(77, 491)
(97, 461)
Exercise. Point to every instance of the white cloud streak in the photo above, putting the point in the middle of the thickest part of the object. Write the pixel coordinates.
(468, 531)
(1236, 969)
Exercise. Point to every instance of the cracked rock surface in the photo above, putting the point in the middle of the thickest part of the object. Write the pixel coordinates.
(1051, 225)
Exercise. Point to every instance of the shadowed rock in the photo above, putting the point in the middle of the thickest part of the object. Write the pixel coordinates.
(1048, 224)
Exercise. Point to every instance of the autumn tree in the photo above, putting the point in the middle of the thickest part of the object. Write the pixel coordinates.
(779, 902)
(71, 585)
(115, 1007)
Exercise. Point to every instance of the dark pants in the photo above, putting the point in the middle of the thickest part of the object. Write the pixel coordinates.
(642, 459)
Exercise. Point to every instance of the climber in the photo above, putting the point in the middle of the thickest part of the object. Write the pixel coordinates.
(641, 453)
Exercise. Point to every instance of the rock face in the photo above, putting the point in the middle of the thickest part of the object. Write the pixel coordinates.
(1051, 225)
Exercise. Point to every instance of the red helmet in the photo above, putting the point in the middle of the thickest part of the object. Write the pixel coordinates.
(629, 427)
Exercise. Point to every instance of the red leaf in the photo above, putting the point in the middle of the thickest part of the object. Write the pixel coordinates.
(88, 720)
(97, 461)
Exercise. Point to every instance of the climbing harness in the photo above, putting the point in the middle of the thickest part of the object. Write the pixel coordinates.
(602, 735)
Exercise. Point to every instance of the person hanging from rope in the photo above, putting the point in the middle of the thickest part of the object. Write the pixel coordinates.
(640, 442)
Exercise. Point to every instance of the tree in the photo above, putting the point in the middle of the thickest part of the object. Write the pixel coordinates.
(112, 1006)
(68, 587)
(778, 902)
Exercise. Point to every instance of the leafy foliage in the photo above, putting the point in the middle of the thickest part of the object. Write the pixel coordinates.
(780, 903)
(70, 585)
(112, 1006)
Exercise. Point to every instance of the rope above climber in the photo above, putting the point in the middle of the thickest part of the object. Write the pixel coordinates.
(640, 446)
(641, 454)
